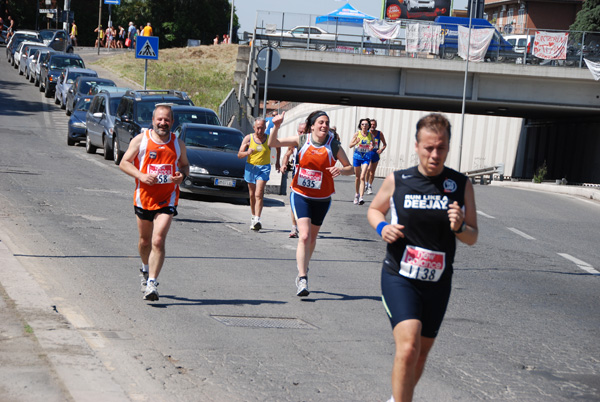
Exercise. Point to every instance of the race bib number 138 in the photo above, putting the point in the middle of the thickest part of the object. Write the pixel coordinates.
(422, 264)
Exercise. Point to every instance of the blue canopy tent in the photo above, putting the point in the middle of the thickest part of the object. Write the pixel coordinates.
(345, 15)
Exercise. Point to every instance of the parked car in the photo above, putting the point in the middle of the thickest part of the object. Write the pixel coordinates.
(100, 122)
(57, 39)
(83, 87)
(135, 113)
(194, 114)
(17, 56)
(520, 42)
(77, 123)
(36, 64)
(299, 36)
(215, 168)
(26, 56)
(4, 33)
(53, 66)
(65, 81)
(15, 39)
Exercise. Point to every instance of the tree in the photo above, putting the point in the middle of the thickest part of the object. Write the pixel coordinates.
(588, 18)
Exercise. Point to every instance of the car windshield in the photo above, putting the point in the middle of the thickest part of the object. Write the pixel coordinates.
(73, 76)
(83, 104)
(46, 35)
(196, 117)
(145, 109)
(196, 137)
(64, 62)
(85, 87)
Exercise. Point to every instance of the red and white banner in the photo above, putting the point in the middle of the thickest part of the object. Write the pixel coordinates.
(480, 41)
(423, 38)
(550, 45)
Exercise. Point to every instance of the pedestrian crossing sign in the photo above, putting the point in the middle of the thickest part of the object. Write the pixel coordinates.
(146, 47)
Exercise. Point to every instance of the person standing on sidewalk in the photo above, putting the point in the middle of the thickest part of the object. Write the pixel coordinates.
(74, 34)
(147, 31)
(379, 144)
(258, 168)
(363, 142)
(289, 159)
(312, 186)
(431, 206)
(131, 32)
(157, 160)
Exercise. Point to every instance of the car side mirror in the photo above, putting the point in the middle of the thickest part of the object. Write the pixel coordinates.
(98, 115)
(126, 118)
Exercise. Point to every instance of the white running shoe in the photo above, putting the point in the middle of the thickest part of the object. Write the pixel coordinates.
(252, 223)
(361, 201)
(144, 280)
(257, 224)
(356, 199)
(302, 285)
(151, 293)
(369, 190)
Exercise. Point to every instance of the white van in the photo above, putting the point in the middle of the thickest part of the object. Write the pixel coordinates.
(520, 42)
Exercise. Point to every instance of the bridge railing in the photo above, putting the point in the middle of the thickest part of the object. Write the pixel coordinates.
(283, 29)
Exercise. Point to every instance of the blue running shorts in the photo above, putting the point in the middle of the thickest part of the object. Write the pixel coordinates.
(252, 173)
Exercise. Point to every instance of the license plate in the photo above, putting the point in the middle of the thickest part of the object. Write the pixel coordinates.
(225, 182)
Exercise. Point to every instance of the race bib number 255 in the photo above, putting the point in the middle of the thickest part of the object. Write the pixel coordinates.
(422, 264)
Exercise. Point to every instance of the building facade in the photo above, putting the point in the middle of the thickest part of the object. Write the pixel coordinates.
(520, 16)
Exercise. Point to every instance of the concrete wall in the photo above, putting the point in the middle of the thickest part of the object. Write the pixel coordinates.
(487, 140)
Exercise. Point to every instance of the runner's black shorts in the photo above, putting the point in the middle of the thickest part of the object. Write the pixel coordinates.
(149, 215)
(406, 299)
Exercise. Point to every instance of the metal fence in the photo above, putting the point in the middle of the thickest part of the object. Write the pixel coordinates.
(276, 29)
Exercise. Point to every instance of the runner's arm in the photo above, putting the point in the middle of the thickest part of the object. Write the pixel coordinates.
(347, 168)
(183, 164)
(242, 153)
(129, 168)
(354, 140)
(468, 216)
(379, 208)
(382, 139)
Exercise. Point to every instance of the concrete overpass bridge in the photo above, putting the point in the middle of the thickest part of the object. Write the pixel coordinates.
(555, 102)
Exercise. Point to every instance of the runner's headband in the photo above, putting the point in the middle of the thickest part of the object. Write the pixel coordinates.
(316, 116)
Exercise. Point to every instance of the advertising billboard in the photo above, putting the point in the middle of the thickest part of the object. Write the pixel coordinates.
(416, 9)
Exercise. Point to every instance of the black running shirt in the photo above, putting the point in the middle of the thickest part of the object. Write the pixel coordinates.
(420, 203)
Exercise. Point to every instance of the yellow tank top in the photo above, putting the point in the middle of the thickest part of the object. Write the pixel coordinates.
(364, 142)
(262, 152)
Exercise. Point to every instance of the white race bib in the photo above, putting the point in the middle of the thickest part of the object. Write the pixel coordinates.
(362, 148)
(310, 178)
(163, 173)
(422, 264)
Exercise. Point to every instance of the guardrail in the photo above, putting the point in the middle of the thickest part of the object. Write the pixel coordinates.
(272, 29)
(486, 171)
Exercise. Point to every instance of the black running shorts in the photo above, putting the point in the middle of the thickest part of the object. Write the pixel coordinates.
(406, 299)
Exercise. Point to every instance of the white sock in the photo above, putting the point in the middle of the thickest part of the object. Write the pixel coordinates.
(145, 267)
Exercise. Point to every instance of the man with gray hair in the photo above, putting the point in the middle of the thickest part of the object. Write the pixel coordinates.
(131, 35)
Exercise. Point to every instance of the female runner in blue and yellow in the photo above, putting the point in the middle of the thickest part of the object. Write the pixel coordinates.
(363, 141)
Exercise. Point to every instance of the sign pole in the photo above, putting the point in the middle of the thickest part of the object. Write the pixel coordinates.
(99, 22)
(145, 73)
(266, 82)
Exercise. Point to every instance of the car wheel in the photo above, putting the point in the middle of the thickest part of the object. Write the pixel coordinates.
(36, 82)
(20, 71)
(63, 106)
(108, 152)
(41, 87)
(273, 43)
(70, 142)
(89, 148)
(27, 75)
(56, 100)
(117, 155)
(67, 111)
(47, 92)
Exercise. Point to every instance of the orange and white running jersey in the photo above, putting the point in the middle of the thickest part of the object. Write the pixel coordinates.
(312, 179)
(160, 159)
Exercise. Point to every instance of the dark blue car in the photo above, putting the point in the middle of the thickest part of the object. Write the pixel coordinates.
(77, 123)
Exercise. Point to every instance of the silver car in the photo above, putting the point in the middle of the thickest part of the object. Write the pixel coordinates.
(66, 80)
(26, 58)
(36, 65)
(100, 122)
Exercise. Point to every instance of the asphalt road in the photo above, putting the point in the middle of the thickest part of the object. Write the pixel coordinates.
(522, 324)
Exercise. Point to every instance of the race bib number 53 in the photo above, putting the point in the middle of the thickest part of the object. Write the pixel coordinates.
(310, 178)
(163, 173)
(422, 264)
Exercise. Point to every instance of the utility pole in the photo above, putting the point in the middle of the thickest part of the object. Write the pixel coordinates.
(67, 9)
(231, 22)
(99, 22)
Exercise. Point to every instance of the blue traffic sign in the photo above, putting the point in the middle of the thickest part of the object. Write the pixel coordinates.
(117, 2)
(146, 47)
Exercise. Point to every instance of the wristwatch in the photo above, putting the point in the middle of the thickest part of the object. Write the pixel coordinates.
(461, 229)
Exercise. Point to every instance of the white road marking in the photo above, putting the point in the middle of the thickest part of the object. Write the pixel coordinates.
(486, 215)
(581, 264)
(524, 235)
(234, 228)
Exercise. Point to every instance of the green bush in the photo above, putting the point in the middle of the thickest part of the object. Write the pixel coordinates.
(540, 174)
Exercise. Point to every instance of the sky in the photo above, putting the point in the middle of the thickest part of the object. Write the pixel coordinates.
(246, 9)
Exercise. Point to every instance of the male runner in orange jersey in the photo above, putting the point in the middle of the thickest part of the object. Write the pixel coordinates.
(157, 160)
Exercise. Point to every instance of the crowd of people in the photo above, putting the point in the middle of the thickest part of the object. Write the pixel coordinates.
(430, 205)
(119, 37)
